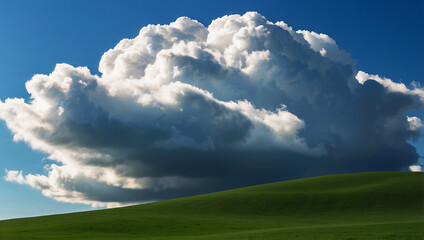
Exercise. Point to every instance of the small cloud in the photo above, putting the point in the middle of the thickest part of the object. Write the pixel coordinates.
(414, 123)
(415, 168)
(14, 176)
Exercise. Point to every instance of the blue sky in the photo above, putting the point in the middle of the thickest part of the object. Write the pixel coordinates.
(385, 37)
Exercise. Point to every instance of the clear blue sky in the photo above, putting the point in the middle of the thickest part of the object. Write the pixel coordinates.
(385, 37)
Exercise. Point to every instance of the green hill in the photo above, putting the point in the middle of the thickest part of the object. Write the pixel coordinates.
(383, 205)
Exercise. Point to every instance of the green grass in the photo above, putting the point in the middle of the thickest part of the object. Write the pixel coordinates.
(383, 205)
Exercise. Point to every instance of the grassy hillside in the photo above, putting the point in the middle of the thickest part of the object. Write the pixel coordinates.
(385, 205)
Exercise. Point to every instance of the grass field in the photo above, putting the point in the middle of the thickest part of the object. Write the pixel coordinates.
(383, 205)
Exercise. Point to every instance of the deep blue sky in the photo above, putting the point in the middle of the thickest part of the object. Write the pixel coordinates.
(385, 37)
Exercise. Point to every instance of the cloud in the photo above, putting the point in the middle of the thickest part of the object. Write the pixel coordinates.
(415, 168)
(414, 123)
(185, 109)
(392, 86)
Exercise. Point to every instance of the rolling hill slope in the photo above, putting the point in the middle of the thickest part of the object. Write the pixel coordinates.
(383, 205)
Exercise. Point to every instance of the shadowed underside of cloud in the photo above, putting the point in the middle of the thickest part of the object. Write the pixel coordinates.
(185, 109)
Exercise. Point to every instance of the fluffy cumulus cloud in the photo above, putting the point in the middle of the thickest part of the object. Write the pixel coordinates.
(186, 109)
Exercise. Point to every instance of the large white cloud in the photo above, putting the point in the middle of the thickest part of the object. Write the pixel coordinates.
(184, 109)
